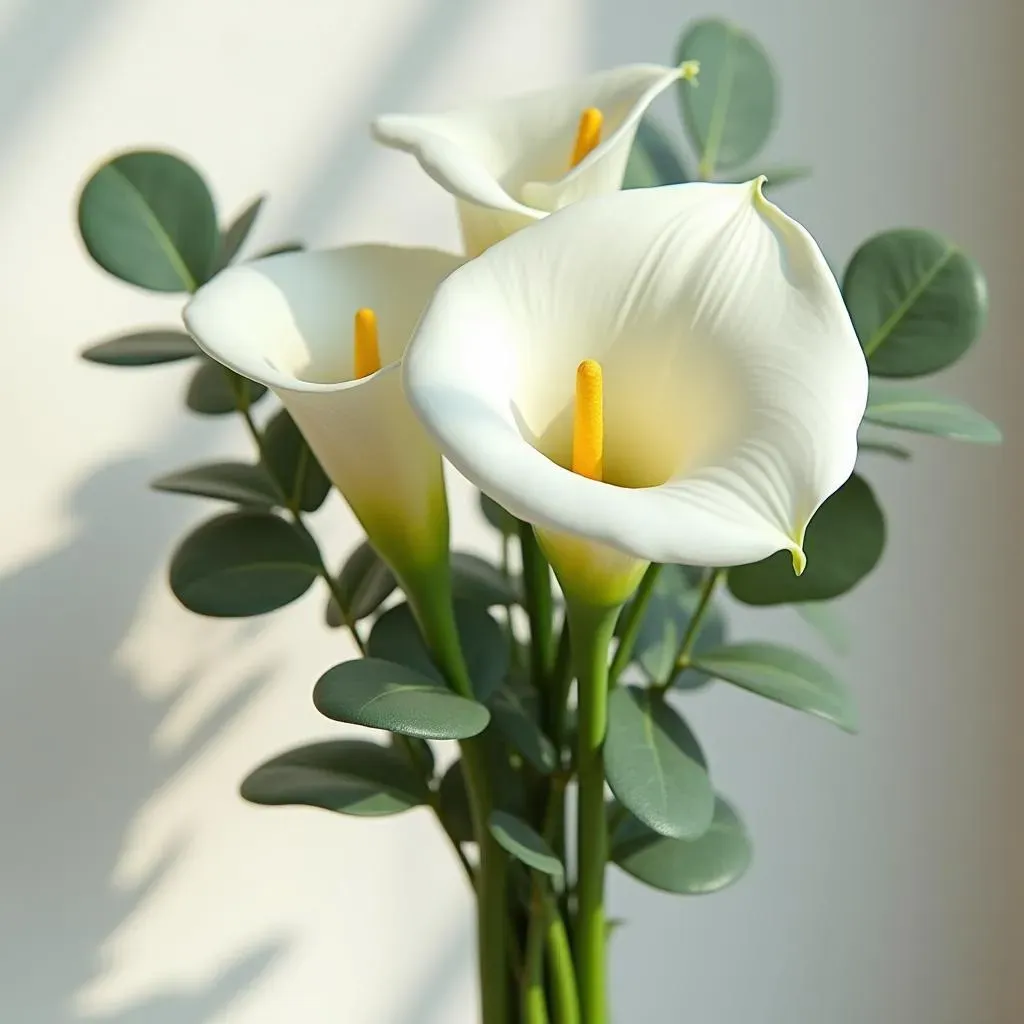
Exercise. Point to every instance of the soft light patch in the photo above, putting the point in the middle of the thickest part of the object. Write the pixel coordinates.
(588, 421)
(366, 347)
(588, 134)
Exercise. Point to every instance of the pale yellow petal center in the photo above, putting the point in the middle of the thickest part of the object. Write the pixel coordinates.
(366, 347)
(588, 134)
(588, 421)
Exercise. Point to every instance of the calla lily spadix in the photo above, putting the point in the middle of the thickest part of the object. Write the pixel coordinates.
(511, 162)
(326, 332)
(733, 382)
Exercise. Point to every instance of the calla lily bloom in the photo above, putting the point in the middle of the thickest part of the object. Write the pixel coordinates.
(511, 162)
(731, 379)
(326, 332)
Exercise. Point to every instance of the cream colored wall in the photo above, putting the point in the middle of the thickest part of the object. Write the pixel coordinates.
(135, 887)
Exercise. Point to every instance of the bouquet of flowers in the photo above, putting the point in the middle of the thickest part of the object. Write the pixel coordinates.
(661, 391)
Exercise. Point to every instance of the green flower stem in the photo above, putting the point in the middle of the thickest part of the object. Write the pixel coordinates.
(430, 596)
(591, 628)
(632, 620)
(682, 660)
(565, 998)
(537, 584)
(534, 1006)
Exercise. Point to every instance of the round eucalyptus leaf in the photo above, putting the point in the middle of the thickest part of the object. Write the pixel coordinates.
(240, 482)
(730, 112)
(348, 776)
(695, 867)
(241, 564)
(654, 159)
(214, 390)
(365, 583)
(655, 766)
(149, 219)
(143, 348)
(475, 580)
(238, 231)
(291, 462)
(522, 841)
(396, 637)
(498, 517)
(843, 543)
(786, 676)
(924, 412)
(917, 302)
(383, 695)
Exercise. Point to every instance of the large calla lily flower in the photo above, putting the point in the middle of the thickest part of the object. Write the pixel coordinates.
(289, 322)
(733, 379)
(511, 162)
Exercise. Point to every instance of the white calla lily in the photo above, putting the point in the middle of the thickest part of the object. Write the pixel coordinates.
(288, 322)
(733, 379)
(511, 162)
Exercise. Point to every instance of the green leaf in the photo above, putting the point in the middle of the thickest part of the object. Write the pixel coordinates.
(695, 867)
(924, 412)
(843, 543)
(240, 482)
(875, 447)
(143, 348)
(730, 112)
(243, 563)
(214, 389)
(515, 722)
(653, 160)
(498, 517)
(149, 219)
(917, 301)
(238, 231)
(655, 765)
(477, 581)
(383, 695)
(396, 637)
(291, 462)
(349, 776)
(365, 583)
(786, 676)
(822, 616)
(519, 839)
(665, 622)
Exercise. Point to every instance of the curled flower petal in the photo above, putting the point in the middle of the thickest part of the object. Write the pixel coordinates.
(733, 379)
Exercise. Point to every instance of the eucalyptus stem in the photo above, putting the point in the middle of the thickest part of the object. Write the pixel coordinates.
(632, 620)
(537, 584)
(591, 632)
(682, 658)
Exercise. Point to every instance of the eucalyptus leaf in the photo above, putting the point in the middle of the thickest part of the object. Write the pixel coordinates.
(474, 579)
(730, 113)
(514, 721)
(655, 766)
(876, 447)
(291, 462)
(654, 159)
(917, 301)
(238, 231)
(348, 776)
(911, 408)
(214, 390)
(239, 482)
(143, 348)
(365, 583)
(498, 517)
(396, 637)
(695, 867)
(148, 218)
(383, 695)
(241, 564)
(522, 841)
(843, 543)
(784, 675)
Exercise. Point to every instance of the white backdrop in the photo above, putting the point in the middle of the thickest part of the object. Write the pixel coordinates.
(135, 887)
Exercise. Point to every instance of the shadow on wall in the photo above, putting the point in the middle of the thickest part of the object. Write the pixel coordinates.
(76, 761)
